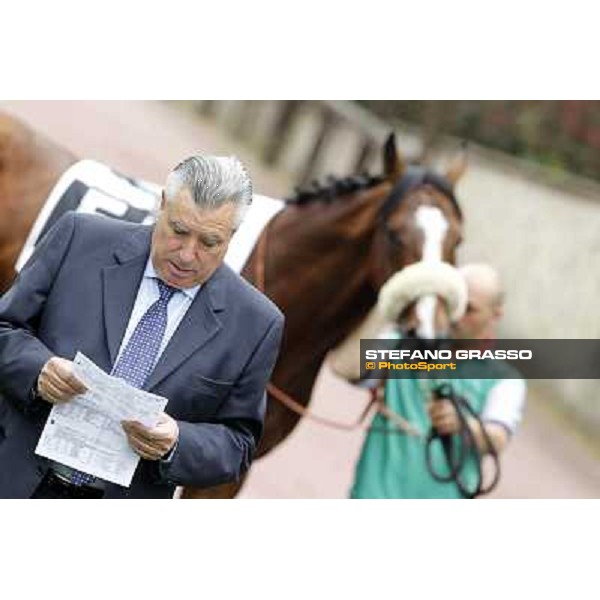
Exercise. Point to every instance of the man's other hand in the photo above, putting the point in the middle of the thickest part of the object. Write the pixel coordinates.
(56, 382)
(152, 443)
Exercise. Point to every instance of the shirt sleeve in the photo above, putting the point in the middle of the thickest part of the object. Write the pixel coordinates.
(505, 403)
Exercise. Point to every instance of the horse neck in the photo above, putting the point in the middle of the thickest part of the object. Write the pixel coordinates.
(317, 267)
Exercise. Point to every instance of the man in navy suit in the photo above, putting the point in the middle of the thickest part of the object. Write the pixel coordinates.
(158, 307)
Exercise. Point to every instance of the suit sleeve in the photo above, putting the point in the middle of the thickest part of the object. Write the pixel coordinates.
(22, 354)
(209, 454)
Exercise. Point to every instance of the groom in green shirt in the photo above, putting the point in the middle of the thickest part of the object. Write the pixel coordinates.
(394, 465)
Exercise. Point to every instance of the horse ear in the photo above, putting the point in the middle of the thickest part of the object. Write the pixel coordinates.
(393, 165)
(458, 166)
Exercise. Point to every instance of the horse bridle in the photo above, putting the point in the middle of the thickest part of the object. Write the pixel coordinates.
(414, 177)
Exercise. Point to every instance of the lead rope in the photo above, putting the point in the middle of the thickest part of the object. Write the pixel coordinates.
(456, 458)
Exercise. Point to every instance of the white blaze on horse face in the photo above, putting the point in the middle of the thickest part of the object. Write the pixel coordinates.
(434, 226)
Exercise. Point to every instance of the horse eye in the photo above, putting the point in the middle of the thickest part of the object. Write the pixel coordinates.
(394, 237)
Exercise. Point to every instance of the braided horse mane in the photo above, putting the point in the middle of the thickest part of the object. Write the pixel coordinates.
(333, 187)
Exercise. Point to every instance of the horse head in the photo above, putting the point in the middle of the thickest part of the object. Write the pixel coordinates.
(414, 246)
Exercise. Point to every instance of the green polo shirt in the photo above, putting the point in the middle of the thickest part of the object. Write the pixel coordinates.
(393, 465)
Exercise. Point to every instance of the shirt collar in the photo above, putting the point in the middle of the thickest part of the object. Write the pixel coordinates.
(150, 273)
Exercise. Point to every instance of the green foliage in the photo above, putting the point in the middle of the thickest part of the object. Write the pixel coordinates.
(562, 134)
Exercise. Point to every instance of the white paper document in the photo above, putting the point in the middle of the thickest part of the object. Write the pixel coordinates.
(86, 433)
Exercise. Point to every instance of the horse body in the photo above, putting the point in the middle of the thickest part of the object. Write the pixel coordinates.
(30, 165)
(325, 258)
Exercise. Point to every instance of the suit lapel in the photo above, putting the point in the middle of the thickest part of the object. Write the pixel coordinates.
(120, 286)
(198, 326)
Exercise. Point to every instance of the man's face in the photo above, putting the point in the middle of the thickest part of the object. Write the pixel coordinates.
(481, 318)
(188, 243)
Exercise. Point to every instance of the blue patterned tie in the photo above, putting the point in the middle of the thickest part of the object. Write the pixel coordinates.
(139, 356)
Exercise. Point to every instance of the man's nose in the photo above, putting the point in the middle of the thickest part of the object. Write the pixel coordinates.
(187, 253)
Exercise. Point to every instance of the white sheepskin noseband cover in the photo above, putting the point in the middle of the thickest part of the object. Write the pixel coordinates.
(421, 279)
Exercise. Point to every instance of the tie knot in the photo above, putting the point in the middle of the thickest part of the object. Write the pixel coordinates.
(165, 290)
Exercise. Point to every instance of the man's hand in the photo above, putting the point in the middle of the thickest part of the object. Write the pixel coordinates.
(152, 443)
(56, 382)
(443, 417)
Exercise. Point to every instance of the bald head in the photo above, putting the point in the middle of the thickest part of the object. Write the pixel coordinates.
(483, 280)
(485, 302)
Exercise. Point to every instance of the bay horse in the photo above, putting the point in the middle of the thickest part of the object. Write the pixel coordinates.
(323, 260)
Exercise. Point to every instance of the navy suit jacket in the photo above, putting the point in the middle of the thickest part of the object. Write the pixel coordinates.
(76, 294)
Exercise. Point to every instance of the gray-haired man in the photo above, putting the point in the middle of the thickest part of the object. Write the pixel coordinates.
(158, 308)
